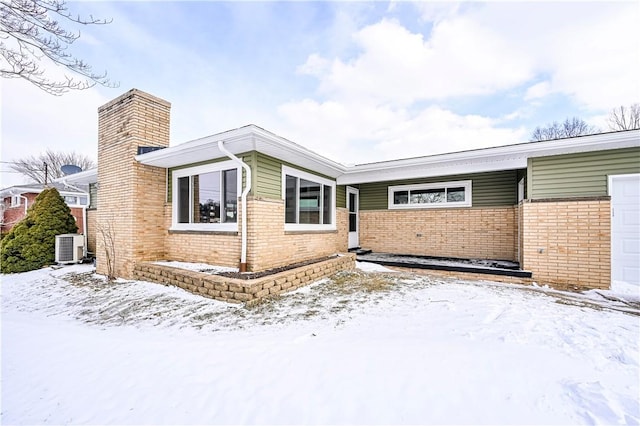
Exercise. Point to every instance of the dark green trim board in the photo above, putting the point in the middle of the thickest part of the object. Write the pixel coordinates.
(583, 174)
(488, 189)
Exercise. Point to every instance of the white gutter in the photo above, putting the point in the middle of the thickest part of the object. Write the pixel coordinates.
(247, 188)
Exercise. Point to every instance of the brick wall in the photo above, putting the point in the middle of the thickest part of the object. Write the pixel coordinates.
(131, 194)
(568, 243)
(13, 215)
(91, 230)
(78, 215)
(520, 233)
(486, 233)
(215, 248)
(271, 247)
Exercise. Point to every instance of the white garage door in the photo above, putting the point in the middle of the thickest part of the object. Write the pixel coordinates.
(625, 230)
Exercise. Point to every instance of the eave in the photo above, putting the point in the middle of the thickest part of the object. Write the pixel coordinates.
(508, 157)
(238, 141)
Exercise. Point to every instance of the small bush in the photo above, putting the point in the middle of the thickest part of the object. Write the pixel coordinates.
(31, 242)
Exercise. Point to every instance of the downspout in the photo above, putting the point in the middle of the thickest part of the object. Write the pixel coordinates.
(26, 203)
(247, 188)
(84, 217)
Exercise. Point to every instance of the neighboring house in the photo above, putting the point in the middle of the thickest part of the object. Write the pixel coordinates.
(17, 199)
(252, 199)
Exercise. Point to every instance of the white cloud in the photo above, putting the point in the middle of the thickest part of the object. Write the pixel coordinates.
(315, 65)
(359, 133)
(537, 91)
(461, 58)
(436, 11)
(598, 63)
(588, 51)
(376, 103)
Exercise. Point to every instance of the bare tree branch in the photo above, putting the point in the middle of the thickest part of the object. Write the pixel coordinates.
(107, 233)
(34, 166)
(624, 118)
(31, 37)
(569, 128)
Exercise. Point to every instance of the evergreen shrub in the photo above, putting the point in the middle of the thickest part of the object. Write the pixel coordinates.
(31, 242)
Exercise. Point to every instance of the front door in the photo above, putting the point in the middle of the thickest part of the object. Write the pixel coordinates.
(625, 229)
(353, 202)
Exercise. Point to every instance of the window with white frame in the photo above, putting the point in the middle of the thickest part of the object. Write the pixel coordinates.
(15, 200)
(206, 197)
(431, 195)
(309, 201)
(76, 200)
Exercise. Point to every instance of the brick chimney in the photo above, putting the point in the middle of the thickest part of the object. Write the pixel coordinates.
(131, 196)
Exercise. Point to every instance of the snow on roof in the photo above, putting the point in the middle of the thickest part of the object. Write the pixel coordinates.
(36, 188)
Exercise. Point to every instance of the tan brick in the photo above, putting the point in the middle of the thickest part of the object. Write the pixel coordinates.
(245, 297)
(221, 286)
(235, 287)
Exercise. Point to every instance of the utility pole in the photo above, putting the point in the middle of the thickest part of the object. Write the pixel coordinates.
(46, 174)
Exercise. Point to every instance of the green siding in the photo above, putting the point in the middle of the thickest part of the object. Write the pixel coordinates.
(268, 177)
(488, 189)
(341, 196)
(579, 175)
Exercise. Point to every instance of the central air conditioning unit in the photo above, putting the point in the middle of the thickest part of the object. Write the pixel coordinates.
(69, 248)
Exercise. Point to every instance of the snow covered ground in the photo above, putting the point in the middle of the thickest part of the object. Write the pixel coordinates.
(361, 348)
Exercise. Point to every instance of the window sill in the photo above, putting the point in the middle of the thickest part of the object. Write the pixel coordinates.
(429, 206)
(211, 227)
(315, 231)
(298, 228)
(200, 232)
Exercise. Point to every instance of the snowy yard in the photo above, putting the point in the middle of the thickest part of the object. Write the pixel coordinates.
(359, 349)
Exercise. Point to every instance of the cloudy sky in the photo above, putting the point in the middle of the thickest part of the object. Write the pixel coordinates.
(354, 81)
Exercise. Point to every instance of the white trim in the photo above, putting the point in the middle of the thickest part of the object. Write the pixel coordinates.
(77, 197)
(610, 179)
(304, 175)
(15, 201)
(507, 157)
(197, 170)
(237, 141)
(466, 184)
(521, 189)
(353, 242)
(290, 171)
